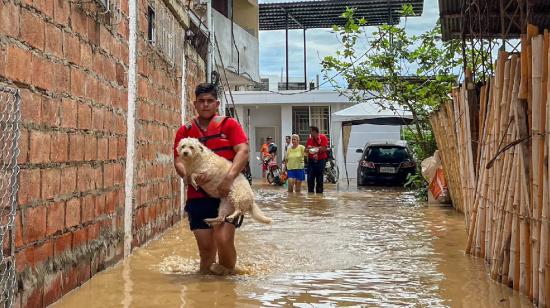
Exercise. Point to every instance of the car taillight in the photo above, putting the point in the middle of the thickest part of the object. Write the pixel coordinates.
(367, 164)
(407, 164)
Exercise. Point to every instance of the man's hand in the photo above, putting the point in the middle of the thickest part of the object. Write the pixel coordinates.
(201, 179)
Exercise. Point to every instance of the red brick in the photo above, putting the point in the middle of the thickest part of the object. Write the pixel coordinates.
(79, 21)
(104, 96)
(61, 11)
(31, 107)
(35, 223)
(24, 259)
(43, 252)
(68, 113)
(63, 243)
(121, 147)
(18, 230)
(102, 148)
(93, 232)
(78, 82)
(19, 63)
(85, 178)
(108, 175)
(51, 181)
(68, 180)
(88, 208)
(84, 271)
(46, 6)
(84, 116)
(39, 147)
(60, 147)
(93, 31)
(55, 218)
(29, 185)
(92, 89)
(76, 147)
(98, 177)
(120, 73)
(53, 40)
(119, 175)
(79, 237)
(86, 55)
(32, 29)
(112, 148)
(53, 288)
(9, 14)
(72, 213)
(71, 48)
(70, 280)
(99, 205)
(42, 73)
(90, 145)
(50, 112)
(23, 147)
(97, 119)
(62, 81)
(32, 298)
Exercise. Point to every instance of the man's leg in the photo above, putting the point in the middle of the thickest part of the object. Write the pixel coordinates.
(310, 176)
(207, 248)
(319, 176)
(224, 237)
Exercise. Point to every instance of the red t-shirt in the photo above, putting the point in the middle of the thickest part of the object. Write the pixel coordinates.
(322, 141)
(235, 134)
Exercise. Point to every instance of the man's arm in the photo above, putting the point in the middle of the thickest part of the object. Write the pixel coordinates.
(239, 162)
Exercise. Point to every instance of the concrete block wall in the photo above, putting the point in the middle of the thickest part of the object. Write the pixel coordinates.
(71, 63)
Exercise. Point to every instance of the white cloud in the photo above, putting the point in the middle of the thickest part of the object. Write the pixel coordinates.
(320, 43)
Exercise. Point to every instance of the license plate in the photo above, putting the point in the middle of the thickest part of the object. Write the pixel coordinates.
(387, 170)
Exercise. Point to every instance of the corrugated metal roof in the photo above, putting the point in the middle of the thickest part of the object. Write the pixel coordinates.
(326, 13)
(454, 13)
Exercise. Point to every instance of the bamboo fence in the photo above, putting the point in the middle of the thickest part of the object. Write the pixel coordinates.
(494, 143)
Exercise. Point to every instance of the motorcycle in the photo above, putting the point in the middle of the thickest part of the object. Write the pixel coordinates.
(273, 170)
(331, 172)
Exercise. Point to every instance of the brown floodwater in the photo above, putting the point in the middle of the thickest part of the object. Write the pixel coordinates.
(373, 247)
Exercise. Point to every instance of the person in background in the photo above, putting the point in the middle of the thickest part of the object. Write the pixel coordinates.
(294, 160)
(264, 151)
(316, 147)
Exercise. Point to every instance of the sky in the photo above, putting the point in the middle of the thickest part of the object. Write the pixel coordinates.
(320, 43)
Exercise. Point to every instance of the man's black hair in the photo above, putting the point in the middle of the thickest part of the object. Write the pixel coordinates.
(314, 128)
(206, 88)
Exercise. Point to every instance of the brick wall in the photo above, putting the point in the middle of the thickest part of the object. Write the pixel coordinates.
(71, 63)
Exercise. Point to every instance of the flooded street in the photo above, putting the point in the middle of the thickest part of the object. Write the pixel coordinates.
(369, 247)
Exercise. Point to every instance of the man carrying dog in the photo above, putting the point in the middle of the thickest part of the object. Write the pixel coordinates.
(316, 146)
(225, 137)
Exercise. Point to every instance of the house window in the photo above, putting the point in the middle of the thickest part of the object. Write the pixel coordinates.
(305, 116)
(151, 31)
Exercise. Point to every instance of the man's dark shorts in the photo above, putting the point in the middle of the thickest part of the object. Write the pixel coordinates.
(201, 208)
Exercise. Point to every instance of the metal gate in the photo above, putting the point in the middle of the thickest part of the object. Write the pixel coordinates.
(9, 170)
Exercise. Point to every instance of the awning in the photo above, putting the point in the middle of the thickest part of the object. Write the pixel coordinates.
(370, 113)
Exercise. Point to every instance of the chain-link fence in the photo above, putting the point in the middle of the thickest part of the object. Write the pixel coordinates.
(9, 150)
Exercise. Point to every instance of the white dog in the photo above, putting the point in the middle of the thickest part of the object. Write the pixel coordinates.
(198, 159)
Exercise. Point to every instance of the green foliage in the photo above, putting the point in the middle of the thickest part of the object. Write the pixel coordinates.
(417, 183)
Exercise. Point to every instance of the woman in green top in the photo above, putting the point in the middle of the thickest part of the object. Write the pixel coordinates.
(295, 164)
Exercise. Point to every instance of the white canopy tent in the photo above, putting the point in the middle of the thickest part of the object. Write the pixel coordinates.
(362, 113)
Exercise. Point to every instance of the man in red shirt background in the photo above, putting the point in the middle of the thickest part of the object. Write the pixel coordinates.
(225, 137)
(316, 146)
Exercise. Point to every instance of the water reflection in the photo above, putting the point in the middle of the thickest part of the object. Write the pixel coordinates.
(368, 247)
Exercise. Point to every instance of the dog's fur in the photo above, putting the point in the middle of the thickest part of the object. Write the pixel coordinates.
(198, 159)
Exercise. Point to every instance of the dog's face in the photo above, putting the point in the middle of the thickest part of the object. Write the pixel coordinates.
(189, 147)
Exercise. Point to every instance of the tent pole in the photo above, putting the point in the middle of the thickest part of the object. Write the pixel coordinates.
(345, 152)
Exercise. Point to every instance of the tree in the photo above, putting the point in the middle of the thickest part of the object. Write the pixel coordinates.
(398, 71)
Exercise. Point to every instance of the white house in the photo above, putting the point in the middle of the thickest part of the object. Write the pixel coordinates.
(281, 114)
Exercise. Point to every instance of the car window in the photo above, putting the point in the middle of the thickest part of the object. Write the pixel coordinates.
(386, 154)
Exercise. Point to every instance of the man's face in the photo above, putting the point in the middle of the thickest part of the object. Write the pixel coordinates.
(268, 140)
(314, 134)
(287, 140)
(206, 105)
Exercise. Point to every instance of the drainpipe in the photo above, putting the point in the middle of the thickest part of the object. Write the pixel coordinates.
(131, 128)
(209, 24)
(183, 113)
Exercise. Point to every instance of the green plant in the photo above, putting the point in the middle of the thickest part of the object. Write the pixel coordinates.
(417, 183)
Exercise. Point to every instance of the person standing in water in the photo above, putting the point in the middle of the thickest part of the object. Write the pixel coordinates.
(295, 164)
(226, 138)
(316, 146)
